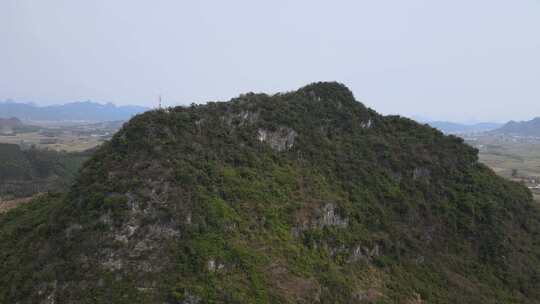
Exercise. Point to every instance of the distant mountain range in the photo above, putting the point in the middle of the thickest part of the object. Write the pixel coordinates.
(521, 128)
(76, 111)
(458, 128)
(515, 128)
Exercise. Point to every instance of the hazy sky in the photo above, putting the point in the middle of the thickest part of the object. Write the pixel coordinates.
(460, 60)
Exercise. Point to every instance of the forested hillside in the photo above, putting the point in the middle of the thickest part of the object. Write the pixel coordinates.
(300, 197)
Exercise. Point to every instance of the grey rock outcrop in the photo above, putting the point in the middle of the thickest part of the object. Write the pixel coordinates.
(280, 140)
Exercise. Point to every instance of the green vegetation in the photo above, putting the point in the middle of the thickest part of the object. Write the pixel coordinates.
(302, 197)
(26, 172)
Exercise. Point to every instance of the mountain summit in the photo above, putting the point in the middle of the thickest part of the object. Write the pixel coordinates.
(300, 197)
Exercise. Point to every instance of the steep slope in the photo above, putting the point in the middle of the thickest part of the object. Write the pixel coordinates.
(302, 197)
(521, 128)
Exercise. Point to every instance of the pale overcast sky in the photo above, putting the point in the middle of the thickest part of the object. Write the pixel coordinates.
(459, 60)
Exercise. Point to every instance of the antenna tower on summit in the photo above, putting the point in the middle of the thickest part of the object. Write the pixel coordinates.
(159, 102)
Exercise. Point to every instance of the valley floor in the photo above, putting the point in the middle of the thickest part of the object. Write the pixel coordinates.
(64, 137)
(515, 158)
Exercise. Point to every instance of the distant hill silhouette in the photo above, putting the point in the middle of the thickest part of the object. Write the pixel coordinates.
(11, 122)
(13, 125)
(521, 128)
(76, 111)
(452, 127)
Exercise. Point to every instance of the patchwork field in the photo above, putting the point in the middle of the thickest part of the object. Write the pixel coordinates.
(69, 138)
(62, 142)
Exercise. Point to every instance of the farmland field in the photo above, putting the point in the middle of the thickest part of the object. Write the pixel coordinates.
(515, 158)
(69, 138)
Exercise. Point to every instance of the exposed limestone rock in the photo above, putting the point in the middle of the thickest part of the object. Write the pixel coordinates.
(325, 216)
(131, 229)
(415, 299)
(213, 266)
(72, 229)
(112, 263)
(282, 139)
(145, 289)
(141, 247)
(50, 290)
(366, 124)
(106, 219)
(147, 267)
(121, 238)
(314, 95)
(136, 229)
(368, 296)
(240, 119)
(364, 253)
(331, 218)
(421, 173)
(190, 299)
(396, 176)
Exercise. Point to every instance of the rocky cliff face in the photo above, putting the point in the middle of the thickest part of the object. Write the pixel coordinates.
(301, 197)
